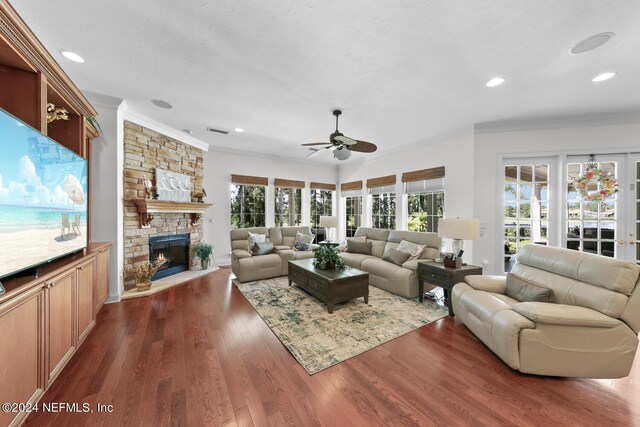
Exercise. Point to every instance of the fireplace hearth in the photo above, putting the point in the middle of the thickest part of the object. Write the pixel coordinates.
(173, 250)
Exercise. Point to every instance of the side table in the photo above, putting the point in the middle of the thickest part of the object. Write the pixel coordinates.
(437, 274)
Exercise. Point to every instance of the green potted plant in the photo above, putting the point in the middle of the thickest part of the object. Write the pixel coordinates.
(203, 251)
(326, 257)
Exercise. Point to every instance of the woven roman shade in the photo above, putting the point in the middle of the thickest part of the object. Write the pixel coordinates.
(423, 174)
(321, 186)
(288, 183)
(249, 180)
(348, 186)
(381, 181)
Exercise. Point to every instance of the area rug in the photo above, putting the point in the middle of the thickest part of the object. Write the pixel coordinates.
(318, 339)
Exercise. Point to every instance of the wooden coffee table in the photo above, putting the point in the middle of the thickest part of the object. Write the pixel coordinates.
(329, 286)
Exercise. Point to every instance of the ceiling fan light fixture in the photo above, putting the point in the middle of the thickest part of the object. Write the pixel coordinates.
(341, 153)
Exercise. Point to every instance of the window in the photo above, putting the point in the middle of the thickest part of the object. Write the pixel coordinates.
(383, 206)
(321, 205)
(353, 214)
(247, 206)
(425, 204)
(288, 206)
(526, 208)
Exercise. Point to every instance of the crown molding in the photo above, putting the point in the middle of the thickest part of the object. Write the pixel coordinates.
(142, 120)
(620, 118)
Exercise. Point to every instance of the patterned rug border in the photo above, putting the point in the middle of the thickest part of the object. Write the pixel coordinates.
(339, 344)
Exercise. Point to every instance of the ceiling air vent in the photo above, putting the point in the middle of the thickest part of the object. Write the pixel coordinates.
(224, 132)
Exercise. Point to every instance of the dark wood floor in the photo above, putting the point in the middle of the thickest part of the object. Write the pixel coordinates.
(199, 354)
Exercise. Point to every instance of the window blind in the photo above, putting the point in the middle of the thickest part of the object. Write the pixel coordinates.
(423, 174)
(382, 181)
(288, 183)
(321, 186)
(424, 186)
(249, 180)
(349, 186)
(382, 189)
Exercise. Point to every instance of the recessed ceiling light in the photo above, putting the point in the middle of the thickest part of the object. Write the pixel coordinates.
(495, 81)
(591, 43)
(602, 77)
(72, 56)
(162, 104)
(239, 130)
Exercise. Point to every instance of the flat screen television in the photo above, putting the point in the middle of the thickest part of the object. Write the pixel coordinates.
(43, 198)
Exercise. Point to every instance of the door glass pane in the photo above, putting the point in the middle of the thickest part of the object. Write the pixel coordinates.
(591, 226)
(526, 208)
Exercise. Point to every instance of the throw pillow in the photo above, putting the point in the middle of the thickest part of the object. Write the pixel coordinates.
(299, 246)
(395, 256)
(253, 239)
(526, 291)
(362, 238)
(263, 248)
(303, 241)
(413, 249)
(359, 247)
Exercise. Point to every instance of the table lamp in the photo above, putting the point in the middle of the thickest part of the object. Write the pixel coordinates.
(328, 222)
(459, 229)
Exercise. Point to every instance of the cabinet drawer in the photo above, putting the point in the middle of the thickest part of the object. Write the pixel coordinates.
(297, 276)
(435, 277)
(317, 286)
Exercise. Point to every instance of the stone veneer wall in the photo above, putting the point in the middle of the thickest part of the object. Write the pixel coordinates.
(144, 151)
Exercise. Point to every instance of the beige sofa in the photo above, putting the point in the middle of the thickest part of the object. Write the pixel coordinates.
(248, 268)
(399, 280)
(589, 329)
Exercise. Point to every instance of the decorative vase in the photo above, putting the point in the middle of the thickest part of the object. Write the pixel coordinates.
(144, 285)
(204, 263)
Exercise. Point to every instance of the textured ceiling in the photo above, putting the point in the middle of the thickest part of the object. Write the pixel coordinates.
(401, 71)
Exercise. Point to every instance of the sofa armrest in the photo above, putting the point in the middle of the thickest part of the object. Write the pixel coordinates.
(564, 315)
(487, 283)
(240, 253)
(281, 247)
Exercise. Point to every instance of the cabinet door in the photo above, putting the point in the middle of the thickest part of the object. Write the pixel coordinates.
(102, 278)
(85, 307)
(21, 352)
(59, 322)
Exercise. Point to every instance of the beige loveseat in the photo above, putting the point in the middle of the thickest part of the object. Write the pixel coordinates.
(588, 329)
(247, 267)
(399, 280)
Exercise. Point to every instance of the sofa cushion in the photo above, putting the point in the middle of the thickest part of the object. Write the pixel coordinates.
(254, 238)
(411, 264)
(303, 254)
(395, 256)
(240, 253)
(359, 247)
(526, 291)
(413, 249)
(354, 260)
(372, 233)
(262, 248)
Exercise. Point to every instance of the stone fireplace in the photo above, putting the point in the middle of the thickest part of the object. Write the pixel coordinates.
(144, 151)
(173, 251)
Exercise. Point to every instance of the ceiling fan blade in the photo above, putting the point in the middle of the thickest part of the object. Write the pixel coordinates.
(345, 140)
(363, 147)
(315, 143)
(318, 151)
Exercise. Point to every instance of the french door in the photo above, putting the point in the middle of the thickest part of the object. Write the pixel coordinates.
(609, 227)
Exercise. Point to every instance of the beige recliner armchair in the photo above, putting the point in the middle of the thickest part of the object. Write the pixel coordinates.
(588, 329)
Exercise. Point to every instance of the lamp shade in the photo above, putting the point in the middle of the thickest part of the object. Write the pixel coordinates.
(459, 228)
(328, 221)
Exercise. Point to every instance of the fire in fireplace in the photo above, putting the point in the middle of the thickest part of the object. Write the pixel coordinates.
(173, 250)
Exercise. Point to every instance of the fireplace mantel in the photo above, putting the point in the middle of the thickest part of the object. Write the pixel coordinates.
(146, 209)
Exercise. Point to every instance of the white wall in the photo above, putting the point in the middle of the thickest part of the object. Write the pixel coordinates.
(104, 186)
(218, 168)
(454, 151)
(494, 145)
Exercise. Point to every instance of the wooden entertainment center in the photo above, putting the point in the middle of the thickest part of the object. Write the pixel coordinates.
(44, 319)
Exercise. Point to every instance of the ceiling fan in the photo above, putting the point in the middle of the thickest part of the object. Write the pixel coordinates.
(341, 145)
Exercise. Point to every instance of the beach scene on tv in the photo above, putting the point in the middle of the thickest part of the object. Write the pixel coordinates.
(43, 202)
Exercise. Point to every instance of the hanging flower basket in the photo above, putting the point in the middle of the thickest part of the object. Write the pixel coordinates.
(608, 185)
